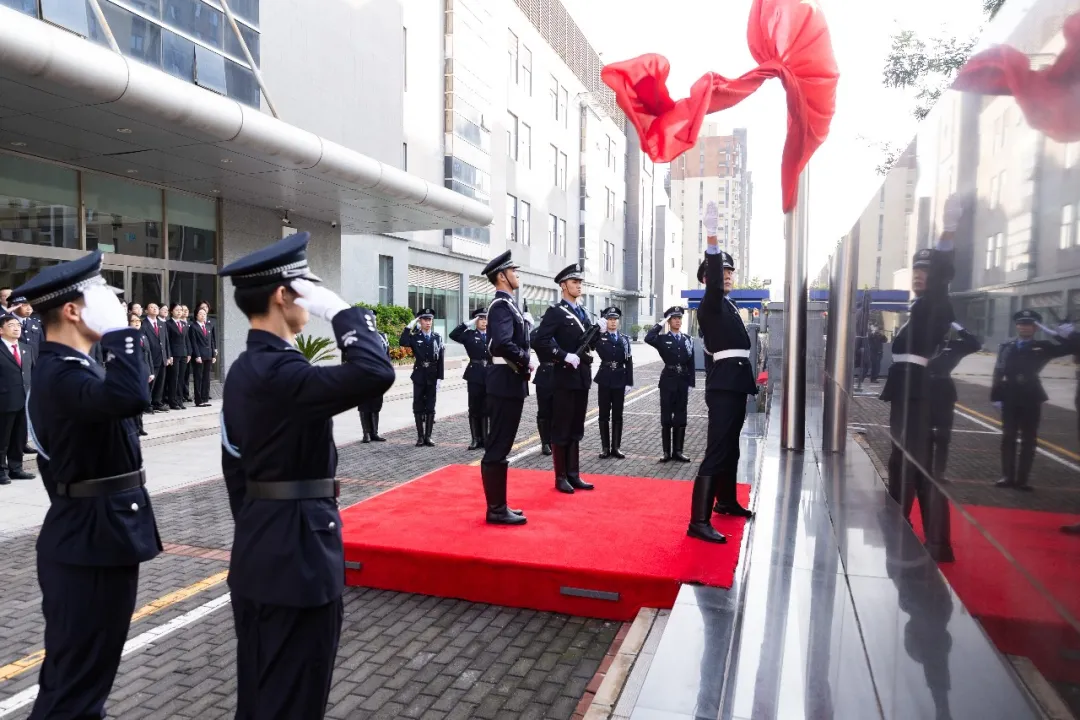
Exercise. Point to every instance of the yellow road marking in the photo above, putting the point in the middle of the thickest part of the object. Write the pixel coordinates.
(34, 659)
(1044, 443)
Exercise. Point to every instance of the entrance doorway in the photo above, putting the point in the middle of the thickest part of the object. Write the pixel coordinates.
(139, 284)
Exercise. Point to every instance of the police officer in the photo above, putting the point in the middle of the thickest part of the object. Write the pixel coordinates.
(429, 354)
(100, 525)
(507, 385)
(943, 395)
(473, 335)
(678, 376)
(544, 380)
(613, 381)
(287, 571)
(32, 331)
(563, 330)
(729, 380)
(370, 409)
(1017, 391)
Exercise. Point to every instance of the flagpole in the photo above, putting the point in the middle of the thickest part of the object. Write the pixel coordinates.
(793, 384)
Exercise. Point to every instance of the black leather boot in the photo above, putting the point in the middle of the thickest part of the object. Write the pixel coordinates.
(605, 440)
(474, 430)
(700, 514)
(482, 431)
(665, 433)
(419, 429)
(573, 467)
(678, 437)
(365, 422)
(616, 439)
(545, 438)
(727, 500)
(494, 480)
(429, 423)
(558, 460)
(375, 437)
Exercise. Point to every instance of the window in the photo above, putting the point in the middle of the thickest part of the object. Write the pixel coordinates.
(405, 57)
(196, 19)
(610, 151)
(65, 13)
(1068, 218)
(990, 252)
(610, 204)
(553, 244)
(192, 227)
(386, 280)
(609, 256)
(561, 171)
(38, 204)
(512, 135)
(553, 97)
(525, 145)
(877, 274)
(28, 7)
(563, 100)
(1002, 177)
(554, 165)
(525, 223)
(561, 239)
(404, 156)
(210, 70)
(511, 218)
(525, 78)
(512, 53)
(880, 231)
(999, 250)
(122, 217)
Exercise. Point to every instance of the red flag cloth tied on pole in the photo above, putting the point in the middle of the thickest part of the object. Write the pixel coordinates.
(1049, 98)
(789, 39)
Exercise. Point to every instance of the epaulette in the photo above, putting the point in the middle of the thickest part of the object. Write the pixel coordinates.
(82, 361)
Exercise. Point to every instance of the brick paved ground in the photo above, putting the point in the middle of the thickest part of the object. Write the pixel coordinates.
(401, 655)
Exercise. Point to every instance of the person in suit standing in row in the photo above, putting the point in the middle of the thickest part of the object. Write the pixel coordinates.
(134, 322)
(203, 356)
(15, 371)
(181, 354)
(157, 336)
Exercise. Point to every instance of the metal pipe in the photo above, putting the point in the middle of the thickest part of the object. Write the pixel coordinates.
(793, 415)
(105, 26)
(247, 55)
(839, 360)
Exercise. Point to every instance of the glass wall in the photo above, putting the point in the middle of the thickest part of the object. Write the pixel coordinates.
(122, 217)
(445, 303)
(192, 228)
(17, 269)
(38, 203)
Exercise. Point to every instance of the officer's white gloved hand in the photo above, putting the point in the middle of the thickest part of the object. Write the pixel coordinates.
(1065, 329)
(627, 390)
(997, 404)
(533, 363)
(412, 325)
(317, 300)
(572, 360)
(665, 328)
(472, 323)
(529, 318)
(438, 384)
(711, 219)
(957, 327)
(103, 311)
(954, 210)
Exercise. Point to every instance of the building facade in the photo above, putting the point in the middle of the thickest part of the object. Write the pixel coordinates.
(670, 278)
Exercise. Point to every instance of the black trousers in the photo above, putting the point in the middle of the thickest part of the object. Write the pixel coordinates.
(189, 373)
(477, 399)
(545, 396)
(504, 416)
(174, 377)
(1019, 421)
(371, 406)
(201, 372)
(875, 367)
(611, 402)
(909, 464)
(12, 440)
(727, 413)
(568, 409)
(941, 425)
(673, 405)
(87, 615)
(157, 390)
(284, 658)
(423, 397)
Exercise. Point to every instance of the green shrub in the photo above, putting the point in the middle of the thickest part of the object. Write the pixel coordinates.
(390, 319)
(316, 349)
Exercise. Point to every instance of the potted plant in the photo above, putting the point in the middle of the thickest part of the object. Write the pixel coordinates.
(635, 330)
(316, 349)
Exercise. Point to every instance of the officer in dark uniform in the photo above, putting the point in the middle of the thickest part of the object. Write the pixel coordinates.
(678, 376)
(943, 395)
(613, 381)
(729, 380)
(544, 380)
(473, 335)
(558, 339)
(32, 331)
(429, 354)
(370, 409)
(1018, 392)
(507, 385)
(287, 571)
(100, 525)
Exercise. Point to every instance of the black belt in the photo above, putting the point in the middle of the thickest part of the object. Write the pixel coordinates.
(293, 489)
(615, 364)
(478, 363)
(547, 364)
(102, 486)
(676, 368)
(424, 364)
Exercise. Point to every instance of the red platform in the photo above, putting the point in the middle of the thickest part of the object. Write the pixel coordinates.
(625, 541)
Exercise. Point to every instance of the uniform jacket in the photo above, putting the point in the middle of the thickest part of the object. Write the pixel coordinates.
(202, 342)
(560, 333)
(15, 380)
(545, 371)
(508, 338)
(81, 418)
(723, 329)
(147, 358)
(943, 389)
(429, 355)
(475, 343)
(277, 425)
(677, 356)
(1016, 372)
(32, 332)
(178, 338)
(159, 341)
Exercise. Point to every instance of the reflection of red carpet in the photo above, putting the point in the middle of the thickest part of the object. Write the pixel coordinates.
(627, 537)
(1019, 618)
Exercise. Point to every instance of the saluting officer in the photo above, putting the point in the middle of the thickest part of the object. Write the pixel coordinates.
(507, 385)
(729, 380)
(429, 355)
(287, 571)
(559, 338)
(99, 526)
(678, 376)
(473, 335)
(370, 409)
(613, 381)
(544, 380)
(1017, 391)
(943, 394)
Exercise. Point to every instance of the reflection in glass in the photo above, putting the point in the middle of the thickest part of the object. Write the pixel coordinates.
(197, 19)
(178, 56)
(137, 37)
(146, 287)
(146, 7)
(28, 7)
(192, 227)
(193, 288)
(251, 38)
(71, 14)
(240, 84)
(445, 303)
(122, 217)
(17, 269)
(210, 70)
(37, 203)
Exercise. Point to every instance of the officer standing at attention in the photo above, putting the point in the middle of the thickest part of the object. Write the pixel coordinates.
(943, 395)
(729, 380)
(473, 335)
(613, 381)
(1017, 391)
(429, 353)
(544, 380)
(99, 526)
(287, 571)
(678, 376)
(370, 409)
(32, 331)
(507, 385)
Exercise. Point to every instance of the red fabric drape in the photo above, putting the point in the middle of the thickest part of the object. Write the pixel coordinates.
(789, 39)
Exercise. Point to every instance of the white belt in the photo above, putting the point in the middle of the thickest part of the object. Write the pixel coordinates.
(724, 354)
(914, 359)
(499, 361)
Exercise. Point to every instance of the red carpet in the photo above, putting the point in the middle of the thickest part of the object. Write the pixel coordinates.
(626, 539)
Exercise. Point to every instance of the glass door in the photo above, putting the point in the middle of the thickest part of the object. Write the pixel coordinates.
(146, 286)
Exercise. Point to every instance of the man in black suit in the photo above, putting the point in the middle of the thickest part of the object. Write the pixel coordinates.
(157, 336)
(15, 369)
(203, 348)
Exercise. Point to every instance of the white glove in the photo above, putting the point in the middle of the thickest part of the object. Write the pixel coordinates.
(472, 323)
(627, 390)
(572, 360)
(529, 318)
(1065, 329)
(317, 300)
(957, 326)
(665, 328)
(954, 210)
(997, 404)
(103, 311)
(438, 384)
(1045, 329)
(412, 325)
(533, 363)
(711, 219)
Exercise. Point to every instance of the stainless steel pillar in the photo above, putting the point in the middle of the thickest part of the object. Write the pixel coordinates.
(840, 351)
(793, 415)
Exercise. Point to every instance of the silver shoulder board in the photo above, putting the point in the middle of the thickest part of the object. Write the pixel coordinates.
(229, 447)
(82, 361)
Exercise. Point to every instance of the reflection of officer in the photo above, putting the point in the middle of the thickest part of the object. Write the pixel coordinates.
(429, 354)
(370, 409)
(287, 570)
(559, 338)
(943, 396)
(678, 376)
(473, 335)
(545, 393)
(613, 381)
(507, 386)
(99, 526)
(876, 341)
(1018, 392)
(730, 379)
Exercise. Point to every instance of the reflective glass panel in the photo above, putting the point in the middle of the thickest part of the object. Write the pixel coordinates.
(24, 6)
(137, 37)
(71, 14)
(38, 203)
(122, 217)
(192, 227)
(178, 56)
(210, 70)
(197, 19)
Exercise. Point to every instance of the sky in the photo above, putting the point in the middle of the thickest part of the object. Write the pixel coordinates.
(710, 35)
